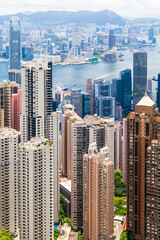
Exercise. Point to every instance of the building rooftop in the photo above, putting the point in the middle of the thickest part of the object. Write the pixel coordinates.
(146, 101)
(66, 185)
(37, 64)
(37, 142)
(5, 132)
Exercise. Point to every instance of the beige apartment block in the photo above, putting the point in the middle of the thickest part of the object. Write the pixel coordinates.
(98, 194)
(9, 157)
(36, 189)
(68, 118)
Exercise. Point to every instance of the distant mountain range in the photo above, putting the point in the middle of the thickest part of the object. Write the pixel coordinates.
(63, 17)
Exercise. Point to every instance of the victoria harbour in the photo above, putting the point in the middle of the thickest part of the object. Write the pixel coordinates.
(70, 75)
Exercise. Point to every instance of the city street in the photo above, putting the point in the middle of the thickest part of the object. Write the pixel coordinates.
(118, 229)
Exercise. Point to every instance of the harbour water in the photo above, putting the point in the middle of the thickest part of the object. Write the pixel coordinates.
(71, 75)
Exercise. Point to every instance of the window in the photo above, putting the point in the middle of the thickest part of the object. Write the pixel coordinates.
(137, 128)
(147, 129)
(136, 149)
(136, 169)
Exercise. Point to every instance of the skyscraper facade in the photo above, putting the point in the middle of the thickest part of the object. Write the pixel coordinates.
(104, 104)
(152, 189)
(6, 91)
(85, 104)
(139, 76)
(111, 39)
(142, 127)
(79, 146)
(126, 79)
(89, 89)
(124, 150)
(36, 99)
(1, 118)
(98, 194)
(118, 146)
(117, 90)
(52, 134)
(15, 44)
(158, 92)
(151, 34)
(36, 189)
(81, 101)
(9, 158)
(14, 75)
(68, 118)
(122, 89)
(16, 109)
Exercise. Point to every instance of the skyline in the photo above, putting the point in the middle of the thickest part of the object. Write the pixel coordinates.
(137, 7)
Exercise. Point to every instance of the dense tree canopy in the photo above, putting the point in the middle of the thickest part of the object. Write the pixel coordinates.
(5, 235)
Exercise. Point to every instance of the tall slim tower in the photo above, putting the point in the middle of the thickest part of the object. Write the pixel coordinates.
(139, 76)
(142, 128)
(126, 79)
(16, 109)
(89, 89)
(52, 134)
(15, 44)
(36, 99)
(98, 194)
(111, 39)
(9, 157)
(79, 146)
(36, 189)
(68, 118)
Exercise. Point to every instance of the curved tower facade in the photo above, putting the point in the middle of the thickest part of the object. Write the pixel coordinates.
(15, 44)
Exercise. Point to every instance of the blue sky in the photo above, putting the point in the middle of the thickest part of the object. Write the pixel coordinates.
(126, 8)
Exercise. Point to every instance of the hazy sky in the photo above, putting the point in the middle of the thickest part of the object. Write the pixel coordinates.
(126, 8)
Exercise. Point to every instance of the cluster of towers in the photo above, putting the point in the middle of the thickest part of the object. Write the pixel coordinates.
(29, 162)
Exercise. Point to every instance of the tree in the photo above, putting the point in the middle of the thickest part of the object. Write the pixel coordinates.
(80, 237)
(63, 209)
(120, 205)
(118, 178)
(61, 213)
(64, 206)
(68, 221)
(56, 234)
(126, 235)
(5, 235)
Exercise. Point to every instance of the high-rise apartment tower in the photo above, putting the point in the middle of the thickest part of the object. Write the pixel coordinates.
(98, 194)
(9, 158)
(36, 189)
(143, 126)
(36, 99)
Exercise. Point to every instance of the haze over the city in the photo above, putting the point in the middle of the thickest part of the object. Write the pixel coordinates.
(129, 9)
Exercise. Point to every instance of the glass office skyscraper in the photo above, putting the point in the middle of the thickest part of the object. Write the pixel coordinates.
(111, 39)
(126, 79)
(104, 103)
(139, 76)
(15, 44)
